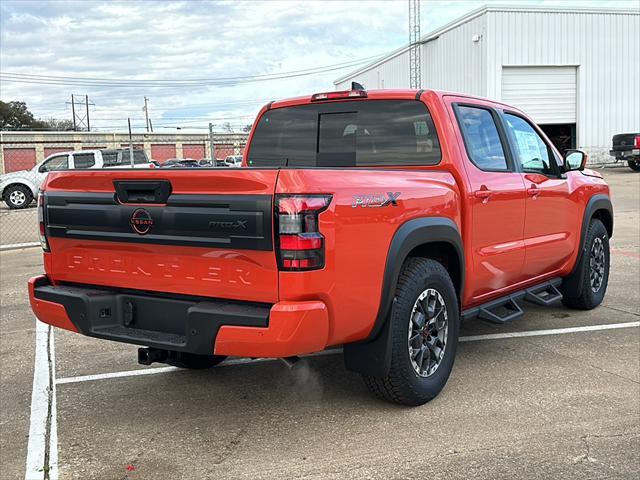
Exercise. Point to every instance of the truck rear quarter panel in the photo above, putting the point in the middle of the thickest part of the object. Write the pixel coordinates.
(357, 238)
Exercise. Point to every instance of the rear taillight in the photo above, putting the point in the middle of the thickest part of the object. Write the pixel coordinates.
(320, 97)
(42, 228)
(636, 142)
(300, 245)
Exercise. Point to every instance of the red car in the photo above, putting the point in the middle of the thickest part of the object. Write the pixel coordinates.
(375, 220)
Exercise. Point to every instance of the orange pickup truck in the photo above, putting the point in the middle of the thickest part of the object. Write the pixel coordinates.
(372, 220)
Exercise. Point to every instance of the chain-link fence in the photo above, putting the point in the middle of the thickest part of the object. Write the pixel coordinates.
(26, 159)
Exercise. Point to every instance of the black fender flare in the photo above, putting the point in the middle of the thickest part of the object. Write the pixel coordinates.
(597, 202)
(373, 355)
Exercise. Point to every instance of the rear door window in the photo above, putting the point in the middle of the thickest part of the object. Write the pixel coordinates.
(83, 160)
(139, 157)
(481, 138)
(343, 134)
(109, 159)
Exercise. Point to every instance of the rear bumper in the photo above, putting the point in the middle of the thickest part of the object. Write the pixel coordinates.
(624, 153)
(180, 323)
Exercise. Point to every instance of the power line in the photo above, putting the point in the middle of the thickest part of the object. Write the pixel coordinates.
(64, 80)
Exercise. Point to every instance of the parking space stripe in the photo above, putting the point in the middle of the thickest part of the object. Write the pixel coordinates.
(42, 447)
(553, 331)
(155, 370)
(242, 361)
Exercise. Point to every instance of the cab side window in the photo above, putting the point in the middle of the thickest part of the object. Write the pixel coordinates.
(59, 162)
(481, 138)
(533, 154)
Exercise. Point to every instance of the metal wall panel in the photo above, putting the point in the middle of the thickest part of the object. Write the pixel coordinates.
(163, 152)
(454, 61)
(393, 73)
(193, 151)
(547, 94)
(51, 150)
(603, 46)
(16, 159)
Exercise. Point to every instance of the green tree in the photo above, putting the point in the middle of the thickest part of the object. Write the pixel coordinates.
(16, 116)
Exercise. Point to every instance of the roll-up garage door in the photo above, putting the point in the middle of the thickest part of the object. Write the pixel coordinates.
(546, 94)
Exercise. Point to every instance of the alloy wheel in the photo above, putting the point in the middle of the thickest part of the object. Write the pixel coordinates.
(428, 331)
(596, 265)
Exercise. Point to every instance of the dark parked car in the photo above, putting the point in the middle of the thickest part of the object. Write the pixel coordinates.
(626, 146)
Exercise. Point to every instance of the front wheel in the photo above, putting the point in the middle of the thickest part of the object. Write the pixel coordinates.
(424, 325)
(17, 196)
(634, 165)
(586, 287)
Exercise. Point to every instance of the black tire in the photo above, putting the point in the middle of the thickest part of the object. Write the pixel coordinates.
(193, 361)
(17, 196)
(582, 290)
(634, 165)
(403, 384)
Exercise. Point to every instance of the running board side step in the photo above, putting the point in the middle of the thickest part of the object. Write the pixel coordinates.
(506, 309)
(545, 295)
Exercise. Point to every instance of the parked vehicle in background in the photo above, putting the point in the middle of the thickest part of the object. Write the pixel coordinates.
(233, 161)
(19, 189)
(205, 162)
(626, 147)
(181, 163)
(372, 220)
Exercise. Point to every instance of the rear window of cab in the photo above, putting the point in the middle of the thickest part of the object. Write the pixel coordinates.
(346, 134)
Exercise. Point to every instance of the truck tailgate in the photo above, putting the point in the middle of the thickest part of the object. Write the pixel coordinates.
(210, 235)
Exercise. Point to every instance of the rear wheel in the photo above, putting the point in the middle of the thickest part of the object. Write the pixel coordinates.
(17, 196)
(586, 287)
(424, 324)
(634, 165)
(193, 361)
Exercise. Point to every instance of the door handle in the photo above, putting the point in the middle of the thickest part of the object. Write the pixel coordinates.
(482, 193)
(533, 191)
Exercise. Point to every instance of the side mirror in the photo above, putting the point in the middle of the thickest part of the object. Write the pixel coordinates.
(575, 160)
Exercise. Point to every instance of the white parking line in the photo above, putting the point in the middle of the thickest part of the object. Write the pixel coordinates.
(153, 371)
(553, 331)
(241, 361)
(42, 448)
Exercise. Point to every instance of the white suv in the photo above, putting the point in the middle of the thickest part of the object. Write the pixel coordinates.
(19, 189)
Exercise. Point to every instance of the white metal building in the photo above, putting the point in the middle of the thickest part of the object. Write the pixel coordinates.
(575, 71)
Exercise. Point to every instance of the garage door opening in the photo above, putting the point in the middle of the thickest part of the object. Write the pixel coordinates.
(562, 135)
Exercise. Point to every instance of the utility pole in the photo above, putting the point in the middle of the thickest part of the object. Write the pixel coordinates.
(130, 144)
(73, 112)
(80, 122)
(151, 125)
(415, 80)
(211, 145)
(86, 102)
(146, 112)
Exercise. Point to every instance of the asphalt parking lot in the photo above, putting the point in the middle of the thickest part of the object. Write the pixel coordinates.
(558, 397)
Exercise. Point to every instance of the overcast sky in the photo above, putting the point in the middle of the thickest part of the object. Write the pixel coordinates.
(203, 41)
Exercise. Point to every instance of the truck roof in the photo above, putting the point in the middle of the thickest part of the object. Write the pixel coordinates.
(383, 94)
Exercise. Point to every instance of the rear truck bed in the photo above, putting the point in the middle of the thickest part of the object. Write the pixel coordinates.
(210, 262)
